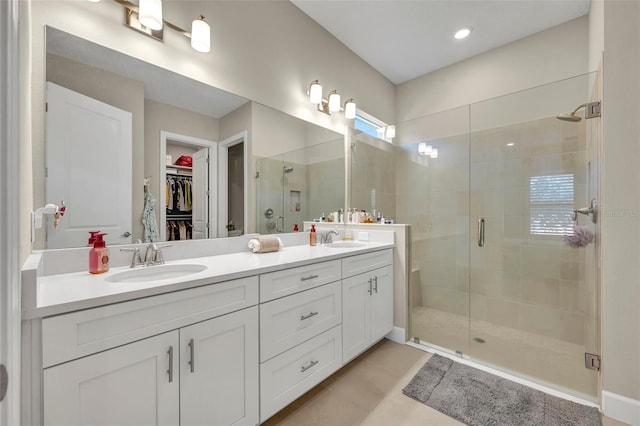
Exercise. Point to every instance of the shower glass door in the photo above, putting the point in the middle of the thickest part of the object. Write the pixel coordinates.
(432, 195)
(533, 298)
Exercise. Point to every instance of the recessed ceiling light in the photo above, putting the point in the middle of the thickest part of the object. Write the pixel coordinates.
(463, 33)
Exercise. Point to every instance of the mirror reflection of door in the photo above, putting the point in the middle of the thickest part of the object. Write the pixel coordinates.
(88, 165)
(187, 201)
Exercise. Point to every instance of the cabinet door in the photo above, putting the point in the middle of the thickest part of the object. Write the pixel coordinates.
(356, 313)
(219, 370)
(381, 302)
(128, 385)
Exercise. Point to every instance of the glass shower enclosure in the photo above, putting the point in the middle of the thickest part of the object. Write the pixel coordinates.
(490, 192)
(300, 185)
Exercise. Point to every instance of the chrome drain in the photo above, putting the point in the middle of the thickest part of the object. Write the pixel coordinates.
(479, 340)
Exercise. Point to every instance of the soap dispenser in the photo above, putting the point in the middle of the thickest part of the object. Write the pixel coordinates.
(312, 236)
(99, 255)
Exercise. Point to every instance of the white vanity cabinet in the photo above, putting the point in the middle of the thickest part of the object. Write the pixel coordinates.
(128, 385)
(367, 301)
(203, 372)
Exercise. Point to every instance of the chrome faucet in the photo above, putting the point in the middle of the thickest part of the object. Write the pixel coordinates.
(152, 256)
(327, 237)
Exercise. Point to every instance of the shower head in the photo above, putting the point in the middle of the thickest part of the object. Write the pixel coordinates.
(287, 169)
(571, 116)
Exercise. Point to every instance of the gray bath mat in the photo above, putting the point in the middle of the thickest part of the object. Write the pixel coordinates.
(478, 398)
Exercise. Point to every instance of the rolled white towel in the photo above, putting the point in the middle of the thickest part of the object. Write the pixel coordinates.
(265, 244)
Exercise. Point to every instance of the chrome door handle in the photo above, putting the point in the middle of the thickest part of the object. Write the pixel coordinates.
(370, 291)
(375, 287)
(311, 314)
(481, 232)
(191, 355)
(310, 277)
(170, 370)
(306, 367)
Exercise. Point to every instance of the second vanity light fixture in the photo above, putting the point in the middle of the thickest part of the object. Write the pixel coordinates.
(147, 18)
(333, 103)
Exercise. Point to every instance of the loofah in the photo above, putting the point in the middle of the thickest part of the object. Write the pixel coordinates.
(581, 237)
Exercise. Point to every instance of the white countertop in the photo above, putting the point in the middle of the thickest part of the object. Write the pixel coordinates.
(58, 294)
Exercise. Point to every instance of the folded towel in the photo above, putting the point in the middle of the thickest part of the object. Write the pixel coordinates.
(265, 244)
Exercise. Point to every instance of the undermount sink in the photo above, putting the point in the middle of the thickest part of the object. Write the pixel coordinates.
(346, 244)
(154, 273)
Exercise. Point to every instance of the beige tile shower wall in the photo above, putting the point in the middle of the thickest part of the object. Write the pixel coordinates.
(373, 176)
(529, 282)
(432, 195)
(325, 188)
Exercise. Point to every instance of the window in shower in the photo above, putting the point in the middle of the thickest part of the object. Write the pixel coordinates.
(373, 126)
(551, 204)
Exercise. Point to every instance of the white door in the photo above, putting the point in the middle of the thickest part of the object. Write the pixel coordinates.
(382, 302)
(200, 194)
(128, 385)
(219, 370)
(88, 165)
(356, 314)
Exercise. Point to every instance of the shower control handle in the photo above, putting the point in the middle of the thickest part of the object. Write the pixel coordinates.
(481, 232)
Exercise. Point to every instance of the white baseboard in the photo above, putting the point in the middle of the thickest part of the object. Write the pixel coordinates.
(397, 335)
(621, 408)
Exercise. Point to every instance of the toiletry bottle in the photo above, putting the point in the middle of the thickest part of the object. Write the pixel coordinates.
(295, 227)
(99, 256)
(312, 236)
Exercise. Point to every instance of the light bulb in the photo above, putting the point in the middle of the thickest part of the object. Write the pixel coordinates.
(434, 153)
(150, 14)
(201, 35)
(315, 92)
(334, 101)
(350, 109)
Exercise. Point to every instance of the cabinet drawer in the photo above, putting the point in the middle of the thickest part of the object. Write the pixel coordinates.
(282, 283)
(355, 265)
(70, 336)
(289, 375)
(291, 320)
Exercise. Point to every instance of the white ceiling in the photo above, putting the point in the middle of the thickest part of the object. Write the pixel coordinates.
(404, 39)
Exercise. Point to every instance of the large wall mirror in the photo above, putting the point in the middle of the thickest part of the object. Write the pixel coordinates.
(121, 133)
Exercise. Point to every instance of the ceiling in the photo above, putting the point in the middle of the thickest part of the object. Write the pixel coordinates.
(404, 39)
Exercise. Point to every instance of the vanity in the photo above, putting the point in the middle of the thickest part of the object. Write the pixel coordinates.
(232, 343)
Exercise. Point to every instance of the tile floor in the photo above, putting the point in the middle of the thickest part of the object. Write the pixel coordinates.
(368, 391)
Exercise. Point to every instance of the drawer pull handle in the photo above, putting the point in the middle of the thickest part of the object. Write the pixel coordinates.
(306, 367)
(310, 277)
(311, 314)
(170, 370)
(370, 286)
(191, 355)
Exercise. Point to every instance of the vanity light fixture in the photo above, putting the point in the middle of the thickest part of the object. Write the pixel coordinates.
(315, 92)
(350, 109)
(424, 149)
(200, 35)
(147, 18)
(333, 103)
(150, 14)
(427, 150)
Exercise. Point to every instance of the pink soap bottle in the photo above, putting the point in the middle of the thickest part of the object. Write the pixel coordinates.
(99, 255)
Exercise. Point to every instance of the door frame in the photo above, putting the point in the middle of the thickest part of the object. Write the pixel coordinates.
(213, 177)
(223, 180)
(10, 226)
